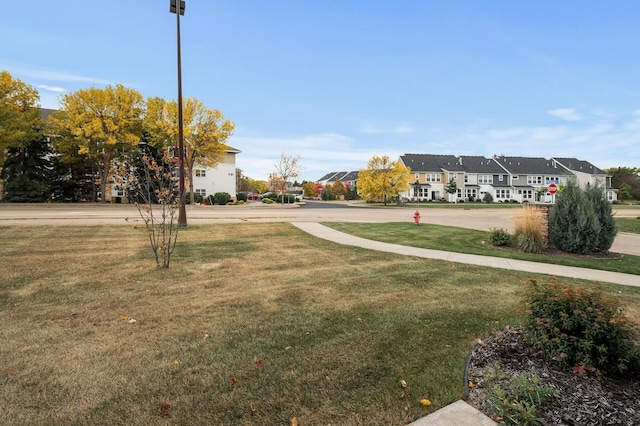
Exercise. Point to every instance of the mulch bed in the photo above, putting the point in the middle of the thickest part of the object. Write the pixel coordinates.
(586, 400)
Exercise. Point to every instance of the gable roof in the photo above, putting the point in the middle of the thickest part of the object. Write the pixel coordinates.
(430, 162)
(530, 166)
(579, 166)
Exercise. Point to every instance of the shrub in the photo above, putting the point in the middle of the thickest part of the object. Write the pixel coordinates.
(327, 195)
(578, 326)
(221, 198)
(197, 198)
(241, 196)
(488, 198)
(499, 237)
(574, 226)
(267, 200)
(528, 235)
(603, 211)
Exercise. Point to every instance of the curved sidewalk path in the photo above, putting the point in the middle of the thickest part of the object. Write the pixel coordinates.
(330, 234)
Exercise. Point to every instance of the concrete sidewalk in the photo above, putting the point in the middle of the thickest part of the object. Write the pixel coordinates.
(330, 234)
(460, 413)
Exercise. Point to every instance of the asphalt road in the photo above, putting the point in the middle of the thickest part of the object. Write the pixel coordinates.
(313, 211)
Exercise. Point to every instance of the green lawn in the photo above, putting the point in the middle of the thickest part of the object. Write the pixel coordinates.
(472, 241)
(628, 224)
(252, 324)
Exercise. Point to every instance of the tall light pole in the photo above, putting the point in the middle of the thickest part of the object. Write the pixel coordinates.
(182, 212)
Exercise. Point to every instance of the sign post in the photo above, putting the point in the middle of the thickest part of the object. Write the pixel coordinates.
(553, 188)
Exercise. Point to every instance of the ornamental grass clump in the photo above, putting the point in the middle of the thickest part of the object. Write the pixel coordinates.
(577, 327)
(528, 236)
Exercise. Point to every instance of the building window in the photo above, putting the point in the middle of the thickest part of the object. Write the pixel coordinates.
(466, 178)
(503, 194)
(485, 179)
(610, 195)
(527, 194)
(552, 179)
(120, 193)
(534, 180)
(470, 193)
(459, 192)
(417, 175)
(201, 192)
(455, 176)
(501, 178)
(433, 177)
(201, 173)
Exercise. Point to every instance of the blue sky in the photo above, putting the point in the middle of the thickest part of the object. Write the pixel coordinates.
(338, 82)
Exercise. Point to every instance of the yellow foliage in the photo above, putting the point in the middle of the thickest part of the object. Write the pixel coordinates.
(383, 179)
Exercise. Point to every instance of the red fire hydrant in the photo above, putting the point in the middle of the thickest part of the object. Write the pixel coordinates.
(416, 217)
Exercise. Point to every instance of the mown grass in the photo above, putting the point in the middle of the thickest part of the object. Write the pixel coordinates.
(252, 324)
(628, 224)
(471, 241)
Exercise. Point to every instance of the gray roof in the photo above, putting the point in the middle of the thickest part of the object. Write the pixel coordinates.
(530, 166)
(338, 176)
(430, 162)
(327, 176)
(351, 176)
(45, 113)
(579, 165)
(480, 164)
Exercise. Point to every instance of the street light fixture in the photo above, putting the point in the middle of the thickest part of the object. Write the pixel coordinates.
(182, 212)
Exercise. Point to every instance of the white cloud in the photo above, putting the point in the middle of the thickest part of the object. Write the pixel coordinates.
(51, 88)
(568, 114)
(48, 75)
(398, 130)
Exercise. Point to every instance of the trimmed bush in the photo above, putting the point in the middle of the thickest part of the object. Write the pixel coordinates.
(241, 196)
(197, 198)
(488, 198)
(578, 327)
(499, 237)
(221, 198)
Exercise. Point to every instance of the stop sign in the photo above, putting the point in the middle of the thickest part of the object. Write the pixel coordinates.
(553, 188)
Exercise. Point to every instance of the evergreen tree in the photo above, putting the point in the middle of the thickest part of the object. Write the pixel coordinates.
(26, 172)
(608, 227)
(574, 226)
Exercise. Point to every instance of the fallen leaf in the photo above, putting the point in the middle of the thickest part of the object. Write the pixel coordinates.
(403, 383)
(132, 321)
(425, 402)
(287, 348)
(164, 409)
(471, 384)
(253, 410)
(257, 363)
(206, 336)
(233, 381)
(124, 317)
(176, 362)
(294, 421)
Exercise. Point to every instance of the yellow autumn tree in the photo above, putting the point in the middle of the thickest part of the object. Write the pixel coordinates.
(101, 124)
(205, 132)
(20, 120)
(383, 179)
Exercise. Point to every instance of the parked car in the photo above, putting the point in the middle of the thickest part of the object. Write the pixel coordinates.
(254, 197)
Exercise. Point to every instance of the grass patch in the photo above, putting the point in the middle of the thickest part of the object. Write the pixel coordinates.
(628, 224)
(460, 240)
(252, 324)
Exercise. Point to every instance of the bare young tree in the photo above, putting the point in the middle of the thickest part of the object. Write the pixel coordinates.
(152, 184)
(287, 168)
